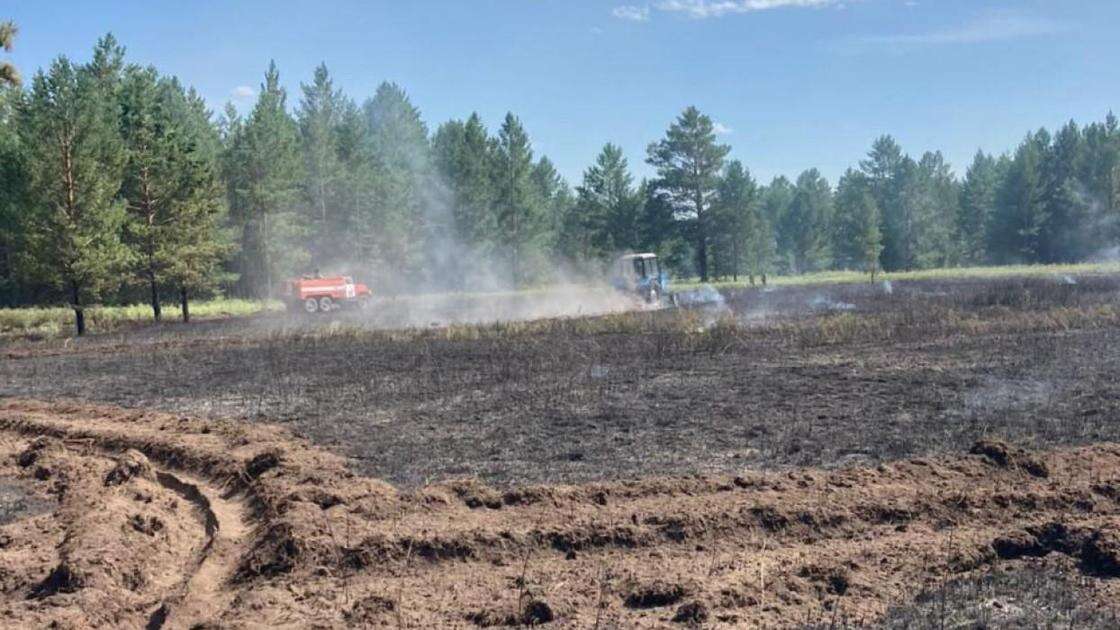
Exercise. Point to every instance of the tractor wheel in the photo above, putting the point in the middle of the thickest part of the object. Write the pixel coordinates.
(325, 304)
(311, 305)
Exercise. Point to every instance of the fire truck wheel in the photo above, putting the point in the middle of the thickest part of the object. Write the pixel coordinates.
(325, 304)
(311, 305)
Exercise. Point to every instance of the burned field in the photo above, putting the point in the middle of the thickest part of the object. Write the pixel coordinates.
(910, 455)
(816, 376)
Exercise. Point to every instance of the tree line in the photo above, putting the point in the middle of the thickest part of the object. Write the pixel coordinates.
(118, 185)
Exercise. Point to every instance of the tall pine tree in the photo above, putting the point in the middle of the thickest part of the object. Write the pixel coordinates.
(977, 205)
(69, 126)
(264, 170)
(319, 117)
(857, 240)
(688, 162)
(397, 219)
(805, 225)
(734, 219)
(520, 219)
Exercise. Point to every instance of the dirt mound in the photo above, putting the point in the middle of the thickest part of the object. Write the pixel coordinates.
(1097, 548)
(172, 521)
(131, 465)
(1007, 456)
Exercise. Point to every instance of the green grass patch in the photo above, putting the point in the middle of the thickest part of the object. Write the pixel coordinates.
(951, 273)
(59, 320)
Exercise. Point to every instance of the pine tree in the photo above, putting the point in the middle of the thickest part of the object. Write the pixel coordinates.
(463, 153)
(396, 222)
(13, 197)
(555, 199)
(977, 205)
(319, 117)
(734, 219)
(264, 169)
(857, 240)
(519, 213)
(688, 162)
(1015, 233)
(1069, 232)
(1100, 178)
(888, 172)
(69, 126)
(149, 128)
(761, 245)
(107, 65)
(658, 229)
(603, 220)
(9, 75)
(775, 202)
(199, 243)
(934, 203)
(358, 182)
(805, 226)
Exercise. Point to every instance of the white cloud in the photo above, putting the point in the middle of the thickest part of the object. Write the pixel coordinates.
(992, 27)
(242, 92)
(631, 12)
(722, 129)
(716, 8)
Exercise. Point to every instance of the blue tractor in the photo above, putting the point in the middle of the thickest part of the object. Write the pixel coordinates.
(641, 275)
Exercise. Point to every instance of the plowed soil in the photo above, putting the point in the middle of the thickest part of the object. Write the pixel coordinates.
(166, 521)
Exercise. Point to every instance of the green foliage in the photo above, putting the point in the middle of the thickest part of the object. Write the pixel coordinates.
(688, 162)
(13, 196)
(464, 155)
(555, 199)
(804, 227)
(519, 211)
(9, 75)
(263, 170)
(977, 207)
(604, 220)
(202, 240)
(319, 116)
(737, 223)
(170, 185)
(68, 124)
(1015, 235)
(857, 239)
(934, 198)
(392, 227)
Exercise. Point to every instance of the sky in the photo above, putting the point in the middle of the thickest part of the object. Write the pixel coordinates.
(791, 84)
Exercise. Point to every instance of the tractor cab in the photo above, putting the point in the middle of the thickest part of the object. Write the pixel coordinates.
(640, 274)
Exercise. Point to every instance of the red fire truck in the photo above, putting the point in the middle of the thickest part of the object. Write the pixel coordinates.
(315, 294)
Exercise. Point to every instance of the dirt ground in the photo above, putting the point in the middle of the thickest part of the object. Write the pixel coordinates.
(167, 521)
(922, 455)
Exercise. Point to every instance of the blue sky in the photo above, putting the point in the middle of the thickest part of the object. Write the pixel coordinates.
(791, 83)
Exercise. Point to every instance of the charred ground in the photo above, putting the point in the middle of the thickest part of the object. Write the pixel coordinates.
(806, 376)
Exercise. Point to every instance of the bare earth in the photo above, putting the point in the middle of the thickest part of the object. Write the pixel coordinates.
(238, 525)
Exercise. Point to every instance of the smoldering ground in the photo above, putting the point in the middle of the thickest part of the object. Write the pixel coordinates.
(931, 366)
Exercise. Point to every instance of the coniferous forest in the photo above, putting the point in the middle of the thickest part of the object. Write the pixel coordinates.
(117, 184)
